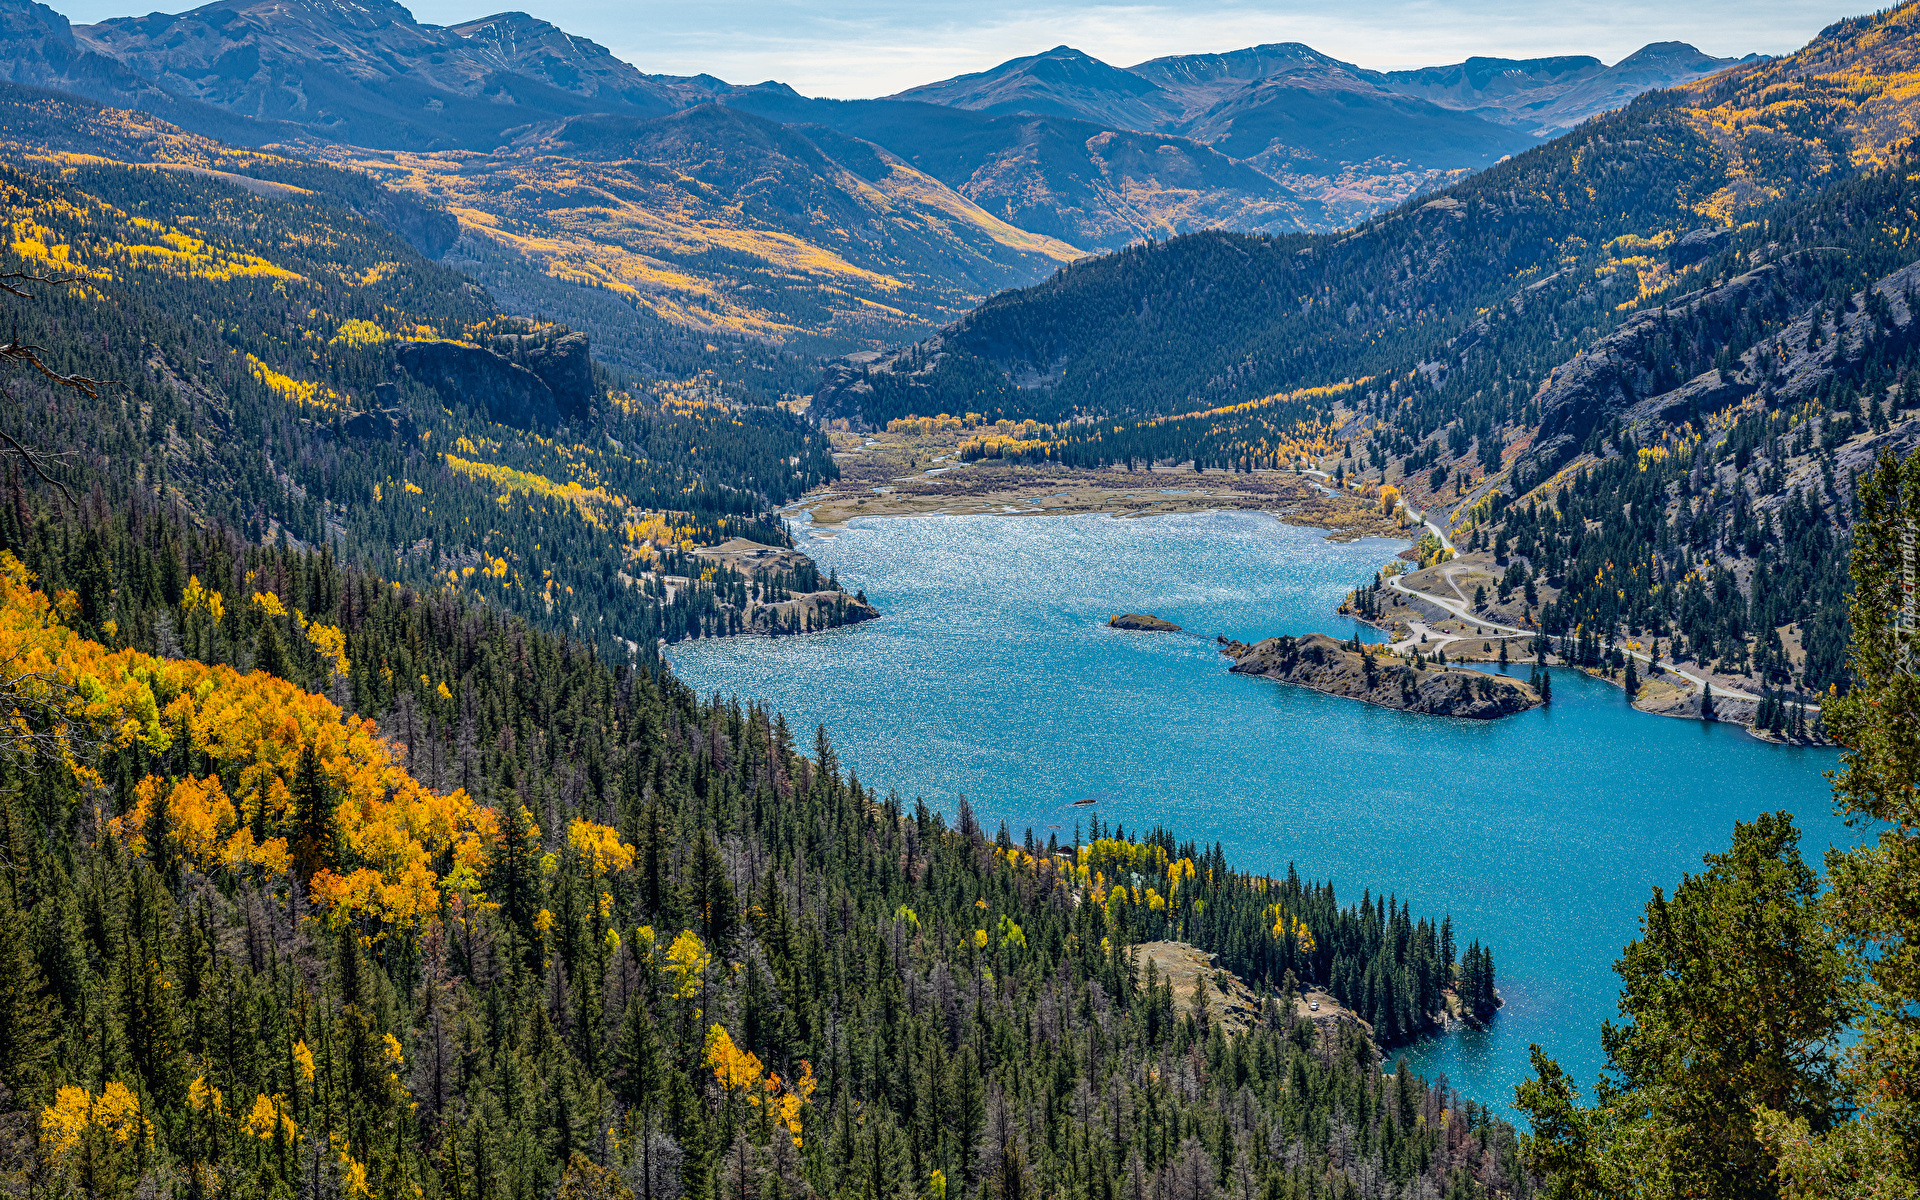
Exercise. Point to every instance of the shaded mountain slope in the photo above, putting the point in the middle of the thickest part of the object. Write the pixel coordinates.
(371, 75)
(1348, 140)
(1060, 82)
(1326, 119)
(1546, 96)
(1284, 101)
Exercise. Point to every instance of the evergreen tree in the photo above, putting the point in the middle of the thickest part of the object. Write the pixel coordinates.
(26, 1024)
(269, 652)
(1732, 1002)
(316, 837)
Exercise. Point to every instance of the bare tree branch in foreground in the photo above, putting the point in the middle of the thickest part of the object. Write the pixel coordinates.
(14, 352)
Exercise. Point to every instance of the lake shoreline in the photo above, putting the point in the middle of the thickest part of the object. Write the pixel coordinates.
(1014, 492)
(994, 676)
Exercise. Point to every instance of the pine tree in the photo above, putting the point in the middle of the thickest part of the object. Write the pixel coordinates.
(26, 1026)
(711, 895)
(315, 841)
(513, 874)
(269, 652)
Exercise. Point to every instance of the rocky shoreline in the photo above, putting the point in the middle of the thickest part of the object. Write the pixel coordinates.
(1410, 685)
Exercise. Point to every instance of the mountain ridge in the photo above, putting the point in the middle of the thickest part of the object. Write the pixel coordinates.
(1669, 337)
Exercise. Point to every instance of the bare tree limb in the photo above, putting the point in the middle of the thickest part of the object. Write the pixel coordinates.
(24, 277)
(33, 459)
(16, 352)
(35, 724)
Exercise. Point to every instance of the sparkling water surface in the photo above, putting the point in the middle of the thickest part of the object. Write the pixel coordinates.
(993, 674)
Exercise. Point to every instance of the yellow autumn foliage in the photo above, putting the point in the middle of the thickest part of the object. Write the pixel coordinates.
(595, 505)
(599, 847)
(115, 1112)
(688, 960)
(251, 730)
(285, 386)
(268, 1114)
(359, 332)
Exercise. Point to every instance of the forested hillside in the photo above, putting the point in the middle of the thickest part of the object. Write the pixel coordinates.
(551, 920)
(1766, 1041)
(282, 360)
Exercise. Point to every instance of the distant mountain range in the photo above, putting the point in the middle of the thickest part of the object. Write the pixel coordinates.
(754, 215)
(1290, 99)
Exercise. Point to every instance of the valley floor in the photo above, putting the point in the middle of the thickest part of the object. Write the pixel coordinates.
(893, 474)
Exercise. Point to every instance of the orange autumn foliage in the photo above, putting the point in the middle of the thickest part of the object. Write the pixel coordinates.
(251, 729)
(737, 1069)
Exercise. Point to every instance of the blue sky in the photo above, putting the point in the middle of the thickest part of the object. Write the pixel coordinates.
(853, 48)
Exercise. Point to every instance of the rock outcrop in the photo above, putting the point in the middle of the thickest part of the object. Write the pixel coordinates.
(1618, 378)
(809, 612)
(559, 357)
(1143, 621)
(1325, 665)
(508, 392)
(531, 380)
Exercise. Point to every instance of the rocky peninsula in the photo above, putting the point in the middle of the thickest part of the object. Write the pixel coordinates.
(1411, 685)
(1145, 621)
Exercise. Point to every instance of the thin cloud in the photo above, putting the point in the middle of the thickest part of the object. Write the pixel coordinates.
(861, 48)
(867, 50)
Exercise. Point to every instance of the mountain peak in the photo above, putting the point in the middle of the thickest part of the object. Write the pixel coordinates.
(1062, 81)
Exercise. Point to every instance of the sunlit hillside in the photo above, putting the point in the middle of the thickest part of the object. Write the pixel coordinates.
(1845, 101)
(728, 225)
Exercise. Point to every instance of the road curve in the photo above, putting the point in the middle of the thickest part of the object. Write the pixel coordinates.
(1461, 610)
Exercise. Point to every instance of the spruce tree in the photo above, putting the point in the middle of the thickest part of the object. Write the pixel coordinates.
(711, 895)
(26, 1025)
(269, 652)
(513, 871)
(315, 824)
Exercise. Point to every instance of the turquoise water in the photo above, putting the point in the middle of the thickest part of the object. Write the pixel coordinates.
(993, 675)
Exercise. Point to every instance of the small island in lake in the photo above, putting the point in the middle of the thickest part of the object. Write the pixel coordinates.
(1412, 684)
(1146, 621)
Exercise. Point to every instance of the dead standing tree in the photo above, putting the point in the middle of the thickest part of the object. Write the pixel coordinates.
(35, 726)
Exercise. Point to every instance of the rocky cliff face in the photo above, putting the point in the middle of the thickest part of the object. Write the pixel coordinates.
(1618, 377)
(1325, 665)
(508, 392)
(529, 380)
(559, 358)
